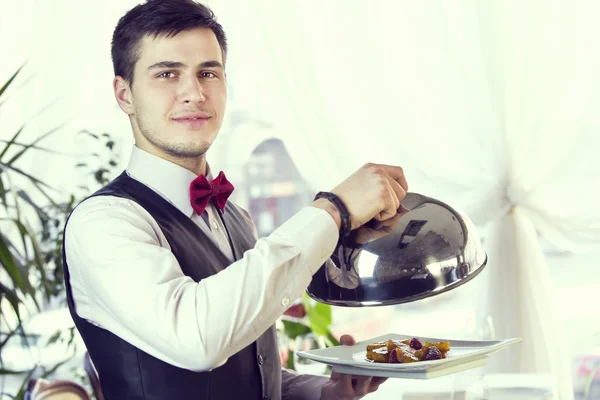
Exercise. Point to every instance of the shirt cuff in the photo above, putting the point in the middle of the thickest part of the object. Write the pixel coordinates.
(315, 234)
(296, 386)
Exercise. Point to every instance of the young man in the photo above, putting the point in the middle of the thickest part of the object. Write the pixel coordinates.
(171, 291)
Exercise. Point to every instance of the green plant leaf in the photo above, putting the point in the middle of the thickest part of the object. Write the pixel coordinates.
(294, 329)
(22, 230)
(27, 147)
(3, 191)
(290, 360)
(319, 315)
(55, 336)
(11, 334)
(38, 260)
(72, 335)
(23, 233)
(24, 384)
(331, 340)
(307, 302)
(12, 298)
(317, 323)
(99, 175)
(11, 142)
(9, 262)
(12, 78)
(55, 367)
(22, 265)
(23, 83)
(25, 174)
(10, 372)
(324, 310)
(46, 195)
(44, 149)
(86, 132)
(43, 215)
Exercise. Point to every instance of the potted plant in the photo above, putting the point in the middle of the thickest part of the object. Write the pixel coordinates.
(32, 216)
(304, 326)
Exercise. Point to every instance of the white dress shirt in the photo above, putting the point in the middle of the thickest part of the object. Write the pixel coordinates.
(125, 279)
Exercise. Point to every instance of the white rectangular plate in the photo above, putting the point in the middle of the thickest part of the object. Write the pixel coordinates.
(463, 355)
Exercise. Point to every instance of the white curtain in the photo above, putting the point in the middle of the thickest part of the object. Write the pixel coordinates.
(279, 76)
(490, 106)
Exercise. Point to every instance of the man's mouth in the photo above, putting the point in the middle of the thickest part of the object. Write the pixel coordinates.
(193, 120)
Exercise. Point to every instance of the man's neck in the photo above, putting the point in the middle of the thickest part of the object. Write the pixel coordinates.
(197, 165)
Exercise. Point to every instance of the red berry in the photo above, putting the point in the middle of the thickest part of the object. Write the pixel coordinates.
(433, 353)
(393, 359)
(416, 344)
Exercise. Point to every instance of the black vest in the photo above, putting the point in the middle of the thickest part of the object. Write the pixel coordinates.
(128, 373)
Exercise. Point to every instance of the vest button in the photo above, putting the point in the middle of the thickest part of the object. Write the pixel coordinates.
(261, 360)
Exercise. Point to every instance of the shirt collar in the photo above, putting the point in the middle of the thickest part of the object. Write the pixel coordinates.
(168, 179)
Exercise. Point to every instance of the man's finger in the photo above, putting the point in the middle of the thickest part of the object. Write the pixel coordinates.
(375, 382)
(377, 225)
(389, 211)
(362, 386)
(347, 340)
(397, 174)
(378, 380)
(399, 191)
(347, 388)
(391, 205)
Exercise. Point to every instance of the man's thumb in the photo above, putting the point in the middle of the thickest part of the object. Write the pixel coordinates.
(347, 340)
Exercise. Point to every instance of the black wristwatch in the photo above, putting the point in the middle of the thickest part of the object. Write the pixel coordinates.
(344, 214)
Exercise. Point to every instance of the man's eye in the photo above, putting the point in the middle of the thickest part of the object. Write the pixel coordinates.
(166, 74)
(208, 74)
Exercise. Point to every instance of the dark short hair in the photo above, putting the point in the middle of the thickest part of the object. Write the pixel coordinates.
(158, 18)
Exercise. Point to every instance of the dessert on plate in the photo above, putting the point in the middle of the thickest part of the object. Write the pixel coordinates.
(406, 351)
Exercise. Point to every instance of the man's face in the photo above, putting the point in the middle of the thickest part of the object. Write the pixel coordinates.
(178, 94)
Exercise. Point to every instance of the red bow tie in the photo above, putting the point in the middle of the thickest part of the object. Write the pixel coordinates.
(201, 191)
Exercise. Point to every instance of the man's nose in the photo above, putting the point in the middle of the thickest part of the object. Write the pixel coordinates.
(192, 91)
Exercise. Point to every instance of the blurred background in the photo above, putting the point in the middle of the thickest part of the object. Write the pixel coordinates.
(491, 107)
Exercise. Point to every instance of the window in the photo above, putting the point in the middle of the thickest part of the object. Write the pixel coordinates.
(275, 189)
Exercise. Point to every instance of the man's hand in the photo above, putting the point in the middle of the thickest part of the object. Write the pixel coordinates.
(346, 387)
(373, 192)
(374, 229)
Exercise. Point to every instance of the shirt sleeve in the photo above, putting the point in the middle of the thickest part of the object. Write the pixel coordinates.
(296, 386)
(125, 279)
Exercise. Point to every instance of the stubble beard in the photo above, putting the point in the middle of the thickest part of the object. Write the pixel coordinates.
(179, 150)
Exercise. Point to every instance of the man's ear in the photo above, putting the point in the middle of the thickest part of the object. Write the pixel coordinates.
(123, 94)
